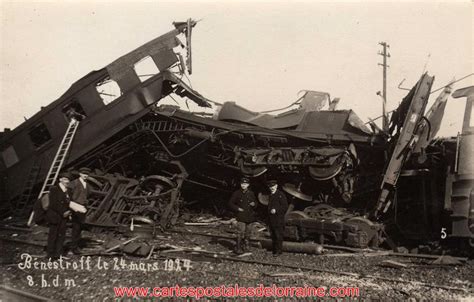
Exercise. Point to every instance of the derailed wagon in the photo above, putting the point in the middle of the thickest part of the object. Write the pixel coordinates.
(348, 183)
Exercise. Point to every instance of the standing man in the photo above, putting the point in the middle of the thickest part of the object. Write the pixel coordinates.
(57, 215)
(277, 207)
(79, 195)
(243, 202)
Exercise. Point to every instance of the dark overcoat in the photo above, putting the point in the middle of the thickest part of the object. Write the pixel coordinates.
(244, 200)
(58, 204)
(278, 202)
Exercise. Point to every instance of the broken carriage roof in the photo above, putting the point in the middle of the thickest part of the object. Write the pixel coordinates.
(306, 122)
(115, 71)
(316, 121)
(341, 125)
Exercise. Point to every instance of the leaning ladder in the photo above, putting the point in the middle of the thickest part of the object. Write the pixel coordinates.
(58, 161)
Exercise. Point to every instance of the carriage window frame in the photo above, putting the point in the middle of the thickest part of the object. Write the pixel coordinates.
(108, 90)
(146, 68)
(39, 135)
(9, 156)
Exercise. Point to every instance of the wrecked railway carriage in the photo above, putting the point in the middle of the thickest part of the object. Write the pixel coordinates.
(348, 183)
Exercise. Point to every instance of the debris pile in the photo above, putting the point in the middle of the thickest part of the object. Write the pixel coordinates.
(347, 184)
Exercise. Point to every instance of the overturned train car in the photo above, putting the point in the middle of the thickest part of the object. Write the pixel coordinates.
(106, 101)
(348, 183)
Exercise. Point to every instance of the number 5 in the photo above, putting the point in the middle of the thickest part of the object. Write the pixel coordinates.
(443, 233)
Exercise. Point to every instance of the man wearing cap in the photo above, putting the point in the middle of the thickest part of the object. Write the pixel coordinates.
(277, 207)
(243, 202)
(80, 194)
(57, 215)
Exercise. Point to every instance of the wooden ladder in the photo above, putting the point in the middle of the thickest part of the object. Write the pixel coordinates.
(58, 161)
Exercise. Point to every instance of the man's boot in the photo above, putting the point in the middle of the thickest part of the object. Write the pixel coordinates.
(238, 245)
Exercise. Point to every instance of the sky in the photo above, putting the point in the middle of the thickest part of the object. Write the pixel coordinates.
(258, 54)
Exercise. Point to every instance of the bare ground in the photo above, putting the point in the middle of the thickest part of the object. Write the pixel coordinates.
(418, 280)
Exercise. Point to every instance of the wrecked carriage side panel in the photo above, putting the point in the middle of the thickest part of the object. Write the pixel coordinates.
(115, 117)
(160, 49)
(460, 199)
(428, 129)
(406, 141)
(20, 143)
(102, 120)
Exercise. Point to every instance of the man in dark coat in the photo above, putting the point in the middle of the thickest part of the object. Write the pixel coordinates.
(277, 207)
(57, 215)
(80, 193)
(243, 202)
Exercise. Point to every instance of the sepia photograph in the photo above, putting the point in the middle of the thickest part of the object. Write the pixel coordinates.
(236, 150)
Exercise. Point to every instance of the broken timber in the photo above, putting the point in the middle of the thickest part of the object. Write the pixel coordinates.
(295, 247)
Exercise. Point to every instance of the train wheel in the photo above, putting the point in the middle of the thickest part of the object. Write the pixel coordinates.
(369, 236)
(156, 184)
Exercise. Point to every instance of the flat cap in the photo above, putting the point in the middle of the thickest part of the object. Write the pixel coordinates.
(64, 175)
(244, 180)
(85, 170)
(271, 182)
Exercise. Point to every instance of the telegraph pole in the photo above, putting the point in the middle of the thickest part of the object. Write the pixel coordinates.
(385, 55)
